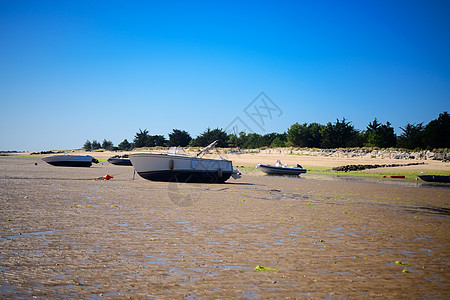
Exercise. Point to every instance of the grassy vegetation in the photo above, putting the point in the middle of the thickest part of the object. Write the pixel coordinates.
(410, 174)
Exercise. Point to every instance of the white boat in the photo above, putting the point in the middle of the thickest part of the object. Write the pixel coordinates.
(278, 169)
(177, 166)
(70, 160)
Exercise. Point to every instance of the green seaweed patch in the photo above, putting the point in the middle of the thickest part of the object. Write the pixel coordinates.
(261, 268)
(409, 174)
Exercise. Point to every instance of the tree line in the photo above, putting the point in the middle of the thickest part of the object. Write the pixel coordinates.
(338, 134)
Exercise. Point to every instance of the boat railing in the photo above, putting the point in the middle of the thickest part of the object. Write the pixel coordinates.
(206, 149)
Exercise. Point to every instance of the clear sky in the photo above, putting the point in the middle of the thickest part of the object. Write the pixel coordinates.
(72, 71)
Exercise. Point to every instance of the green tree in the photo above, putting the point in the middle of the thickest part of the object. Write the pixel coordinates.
(268, 139)
(253, 141)
(314, 137)
(280, 140)
(412, 136)
(304, 135)
(371, 134)
(96, 145)
(380, 135)
(296, 135)
(232, 140)
(140, 139)
(242, 139)
(179, 138)
(108, 145)
(437, 132)
(341, 134)
(209, 136)
(87, 145)
(388, 137)
(125, 145)
(155, 140)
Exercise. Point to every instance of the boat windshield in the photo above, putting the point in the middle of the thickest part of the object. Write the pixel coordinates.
(176, 151)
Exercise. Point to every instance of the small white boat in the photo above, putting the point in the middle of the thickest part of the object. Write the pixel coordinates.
(177, 166)
(278, 169)
(66, 160)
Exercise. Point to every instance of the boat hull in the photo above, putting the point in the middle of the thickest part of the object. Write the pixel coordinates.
(69, 160)
(273, 170)
(435, 178)
(162, 167)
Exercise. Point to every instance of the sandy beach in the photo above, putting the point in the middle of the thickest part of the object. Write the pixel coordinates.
(67, 234)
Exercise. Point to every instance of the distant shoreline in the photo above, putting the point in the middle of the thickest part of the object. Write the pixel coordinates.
(12, 151)
(398, 154)
(316, 161)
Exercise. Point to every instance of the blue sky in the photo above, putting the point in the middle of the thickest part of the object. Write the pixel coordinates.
(73, 71)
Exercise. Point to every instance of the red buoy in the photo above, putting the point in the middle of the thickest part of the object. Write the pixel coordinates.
(107, 177)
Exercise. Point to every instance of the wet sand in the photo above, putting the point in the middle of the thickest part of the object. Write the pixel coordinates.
(65, 234)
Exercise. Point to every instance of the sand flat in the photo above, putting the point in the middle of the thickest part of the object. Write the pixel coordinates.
(65, 233)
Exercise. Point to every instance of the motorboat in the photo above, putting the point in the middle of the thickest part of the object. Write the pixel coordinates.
(434, 178)
(279, 169)
(177, 166)
(66, 160)
(120, 160)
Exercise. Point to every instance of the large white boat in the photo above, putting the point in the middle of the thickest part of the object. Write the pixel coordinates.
(177, 166)
(66, 160)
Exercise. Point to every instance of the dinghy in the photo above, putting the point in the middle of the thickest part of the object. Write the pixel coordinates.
(279, 169)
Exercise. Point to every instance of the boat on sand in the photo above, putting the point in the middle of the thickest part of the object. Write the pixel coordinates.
(66, 160)
(177, 166)
(120, 160)
(279, 169)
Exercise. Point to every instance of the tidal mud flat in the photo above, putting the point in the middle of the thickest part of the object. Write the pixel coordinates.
(67, 234)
